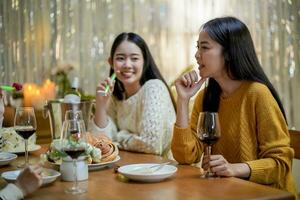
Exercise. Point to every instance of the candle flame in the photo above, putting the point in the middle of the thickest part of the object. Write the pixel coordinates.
(36, 96)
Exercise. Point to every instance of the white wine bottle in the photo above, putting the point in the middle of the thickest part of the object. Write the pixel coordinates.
(73, 95)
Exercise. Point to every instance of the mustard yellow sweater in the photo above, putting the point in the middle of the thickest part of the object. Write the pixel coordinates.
(253, 131)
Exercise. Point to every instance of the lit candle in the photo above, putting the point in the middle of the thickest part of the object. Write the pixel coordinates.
(48, 90)
(37, 96)
(38, 101)
(28, 94)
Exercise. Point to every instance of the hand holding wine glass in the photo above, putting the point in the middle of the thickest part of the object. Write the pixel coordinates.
(74, 145)
(25, 126)
(208, 132)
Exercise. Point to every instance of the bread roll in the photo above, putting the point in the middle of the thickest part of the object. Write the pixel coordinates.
(113, 153)
(109, 150)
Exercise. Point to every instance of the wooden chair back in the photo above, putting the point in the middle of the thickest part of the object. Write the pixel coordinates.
(295, 142)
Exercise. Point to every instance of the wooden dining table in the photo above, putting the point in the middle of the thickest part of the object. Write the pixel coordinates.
(184, 184)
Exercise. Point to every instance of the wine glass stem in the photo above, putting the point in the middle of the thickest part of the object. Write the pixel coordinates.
(75, 173)
(26, 152)
(208, 153)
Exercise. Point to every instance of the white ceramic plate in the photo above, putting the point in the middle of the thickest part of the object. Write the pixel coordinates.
(6, 158)
(133, 172)
(48, 175)
(97, 166)
(22, 150)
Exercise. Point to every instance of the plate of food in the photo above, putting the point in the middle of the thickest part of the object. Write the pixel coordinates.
(100, 150)
(145, 173)
(48, 175)
(6, 158)
(94, 166)
(14, 143)
(21, 148)
(101, 165)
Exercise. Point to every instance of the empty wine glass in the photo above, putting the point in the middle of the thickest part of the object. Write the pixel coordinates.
(74, 144)
(73, 115)
(208, 132)
(25, 126)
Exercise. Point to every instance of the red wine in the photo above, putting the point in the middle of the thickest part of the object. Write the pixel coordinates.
(74, 131)
(209, 140)
(74, 153)
(25, 133)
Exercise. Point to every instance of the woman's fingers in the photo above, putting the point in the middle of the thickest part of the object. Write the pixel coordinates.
(101, 86)
(221, 167)
(187, 85)
(190, 78)
(184, 81)
(37, 170)
(110, 83)
(194, 77)
(216, 162)
(191, 81)
(218, 168)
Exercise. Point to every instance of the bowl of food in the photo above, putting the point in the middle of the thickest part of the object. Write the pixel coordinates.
(100, 152)
(48, 175)
(6, 158)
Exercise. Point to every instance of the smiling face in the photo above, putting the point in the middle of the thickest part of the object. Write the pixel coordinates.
(210, 57)
(128, 61)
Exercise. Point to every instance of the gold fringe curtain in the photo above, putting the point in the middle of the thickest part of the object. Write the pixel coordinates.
(36, 36)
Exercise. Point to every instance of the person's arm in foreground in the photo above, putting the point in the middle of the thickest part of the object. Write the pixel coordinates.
(27, 182)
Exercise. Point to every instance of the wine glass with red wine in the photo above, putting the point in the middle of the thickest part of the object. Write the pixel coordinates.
(208, 132)
(74, 145)
(25, 126)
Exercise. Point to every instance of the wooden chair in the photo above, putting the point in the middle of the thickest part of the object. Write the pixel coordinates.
(295, 142)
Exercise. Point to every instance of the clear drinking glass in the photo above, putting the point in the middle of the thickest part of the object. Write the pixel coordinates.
(25, 126)
(74, 144)
(208, 132)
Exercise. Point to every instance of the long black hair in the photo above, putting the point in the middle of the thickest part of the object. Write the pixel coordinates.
(241, 62)
(150, 70)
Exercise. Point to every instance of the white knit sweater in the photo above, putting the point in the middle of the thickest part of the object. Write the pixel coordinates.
(143, 122)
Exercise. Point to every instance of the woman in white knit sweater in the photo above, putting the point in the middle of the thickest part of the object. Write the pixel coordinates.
(138, 110)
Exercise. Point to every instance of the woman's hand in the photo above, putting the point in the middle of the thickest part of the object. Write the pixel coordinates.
(101, 118)
(30, 179)
(188, 85)
(221, 167)
(103, 99)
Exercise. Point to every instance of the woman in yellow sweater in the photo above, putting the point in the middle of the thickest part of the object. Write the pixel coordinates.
(254, 143)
